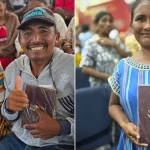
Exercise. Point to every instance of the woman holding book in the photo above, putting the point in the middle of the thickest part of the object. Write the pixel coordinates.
(130, 73)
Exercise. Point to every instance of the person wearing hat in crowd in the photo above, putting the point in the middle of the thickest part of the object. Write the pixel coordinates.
(42, 65)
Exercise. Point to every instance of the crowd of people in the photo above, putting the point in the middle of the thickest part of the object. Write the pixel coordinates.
(36, 48)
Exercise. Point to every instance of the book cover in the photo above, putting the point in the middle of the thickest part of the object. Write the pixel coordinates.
(41, 97)
(144, 113)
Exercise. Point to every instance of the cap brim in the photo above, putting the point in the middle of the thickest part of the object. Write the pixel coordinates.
(22, 25)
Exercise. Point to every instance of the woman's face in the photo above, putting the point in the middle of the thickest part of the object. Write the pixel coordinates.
(141, 24)
(2, 8)
(105, 25)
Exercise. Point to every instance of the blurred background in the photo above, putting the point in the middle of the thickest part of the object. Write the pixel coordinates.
(120, 9)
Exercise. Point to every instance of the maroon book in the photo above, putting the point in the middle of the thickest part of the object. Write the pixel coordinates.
(41, 97)
(144, 113)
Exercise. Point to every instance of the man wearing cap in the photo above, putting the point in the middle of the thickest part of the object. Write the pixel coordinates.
(43, 65)
(60, 23)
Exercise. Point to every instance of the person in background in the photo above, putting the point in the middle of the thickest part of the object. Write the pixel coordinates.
(65, 8)
(17, 4)
(42, 65)
(129, 74)
(68, 46)
(8, 33)
(51, 4)
(9, 6)
(78, 42)
(61, 12)
(85, 35)
(5, 127)
(100, 52)
(78, 46)
(132, 44)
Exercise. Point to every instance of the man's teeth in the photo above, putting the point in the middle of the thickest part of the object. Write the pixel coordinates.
(37, 48)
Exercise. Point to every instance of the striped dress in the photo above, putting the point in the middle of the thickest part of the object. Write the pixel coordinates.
(124, 82)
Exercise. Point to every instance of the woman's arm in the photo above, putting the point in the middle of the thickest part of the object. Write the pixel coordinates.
(92, 72)
(109, 42)
(117, 113)
(122, 52)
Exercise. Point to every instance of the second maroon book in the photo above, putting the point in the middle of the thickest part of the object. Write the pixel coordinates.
(144, 113)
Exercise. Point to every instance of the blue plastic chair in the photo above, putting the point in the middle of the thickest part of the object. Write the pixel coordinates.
(93, 123)
(82, 80)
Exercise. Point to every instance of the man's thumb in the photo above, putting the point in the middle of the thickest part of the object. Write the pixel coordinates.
(39, 111)
(18, 82)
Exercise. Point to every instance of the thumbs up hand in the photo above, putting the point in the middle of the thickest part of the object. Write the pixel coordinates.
(18, 99)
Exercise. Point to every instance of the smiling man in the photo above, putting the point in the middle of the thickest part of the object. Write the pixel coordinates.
(43, 65)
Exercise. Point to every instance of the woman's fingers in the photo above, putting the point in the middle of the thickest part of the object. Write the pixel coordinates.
(132, 132)
(134, 137)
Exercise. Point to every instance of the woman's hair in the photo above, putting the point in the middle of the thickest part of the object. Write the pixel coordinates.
(135, 5)
(100, 15)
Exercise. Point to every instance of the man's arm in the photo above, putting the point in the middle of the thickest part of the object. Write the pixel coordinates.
(48, 127)
(9, 115)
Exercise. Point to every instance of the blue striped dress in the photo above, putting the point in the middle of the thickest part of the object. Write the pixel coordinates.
(124, 82)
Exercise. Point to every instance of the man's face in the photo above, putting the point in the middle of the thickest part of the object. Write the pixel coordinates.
(33, 4)
(38, 40)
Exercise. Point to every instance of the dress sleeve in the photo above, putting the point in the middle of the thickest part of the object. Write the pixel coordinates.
(114, 81)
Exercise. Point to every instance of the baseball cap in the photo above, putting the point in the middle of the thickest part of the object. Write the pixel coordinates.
(40, 14)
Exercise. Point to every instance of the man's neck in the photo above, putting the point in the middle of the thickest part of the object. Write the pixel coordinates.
(37, 67)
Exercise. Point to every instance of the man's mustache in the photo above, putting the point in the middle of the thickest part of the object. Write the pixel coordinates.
(37, 45)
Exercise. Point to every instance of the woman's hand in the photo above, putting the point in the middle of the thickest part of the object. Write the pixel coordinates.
(131, 131)
(106, 42)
